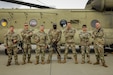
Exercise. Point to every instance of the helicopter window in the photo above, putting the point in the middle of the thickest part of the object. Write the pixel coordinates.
(33, 22)
(93, 22)
(74, 21)
(3, 22)
(63, 23)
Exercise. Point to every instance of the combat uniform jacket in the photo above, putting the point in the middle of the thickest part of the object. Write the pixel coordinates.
(54, 35)
(98, 35)
(41, 38)
(69, 35)
(26, 36)
(84, 38)
(9, 39)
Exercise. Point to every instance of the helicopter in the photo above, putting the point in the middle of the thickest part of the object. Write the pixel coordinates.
(95, 10)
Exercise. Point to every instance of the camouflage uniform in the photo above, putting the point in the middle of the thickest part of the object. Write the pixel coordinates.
(84, 43)
(12, 46)
(26, 39)
(70, 42)
(98, 36)
(54, 36)
(41, 41)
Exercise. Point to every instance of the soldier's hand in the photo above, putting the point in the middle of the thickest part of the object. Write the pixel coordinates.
(30, 33)
(15, 41)
(46, 46)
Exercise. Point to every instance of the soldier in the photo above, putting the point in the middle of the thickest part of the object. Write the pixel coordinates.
(11, 41)
(98, 35)
(26, 39)
(69, 33)
(84, 42)
(41, 41)
(54, 36)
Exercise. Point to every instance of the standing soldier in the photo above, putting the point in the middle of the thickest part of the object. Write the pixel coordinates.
(41, 41)
(84, 42)
(11, 41)
(98, 35)
(54, 36)
(26, 39)
(69, 33)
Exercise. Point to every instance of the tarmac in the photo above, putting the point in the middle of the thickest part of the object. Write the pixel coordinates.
(55, 68)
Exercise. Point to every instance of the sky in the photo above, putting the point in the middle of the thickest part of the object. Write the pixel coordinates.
(59, 4)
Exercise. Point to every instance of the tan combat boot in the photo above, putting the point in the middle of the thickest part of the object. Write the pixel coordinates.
(82, 62)
(48, 61)
(8, 64)
(59, 59)
(89, 62)
(64, 61)
(104, 65)
(16, 63)
(37, 60)
(96, 63)
(42, 62)
(29, 61)
(24, 62)
(76, 62)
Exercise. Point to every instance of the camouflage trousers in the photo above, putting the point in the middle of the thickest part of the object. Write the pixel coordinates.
(99, 52)
(85, 50)
(40, 49)
(26, 49)
(9, 51)
(51, 49)
(72, 46)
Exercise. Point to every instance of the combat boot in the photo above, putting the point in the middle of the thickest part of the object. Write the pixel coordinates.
(104, 65)
(16, 63)
(37, 60)
(24, 62)
(48, 61)
(76, 62)
(96, 63)
(8, 63)
(42, 62)
(82, 62)
(29, 61)
(88, 58)
(59, 59)
(89, 62)
(64, 61)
